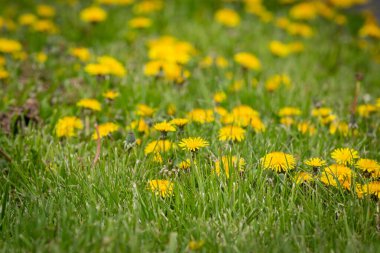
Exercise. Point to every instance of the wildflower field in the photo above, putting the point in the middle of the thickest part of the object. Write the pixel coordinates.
(189, 125)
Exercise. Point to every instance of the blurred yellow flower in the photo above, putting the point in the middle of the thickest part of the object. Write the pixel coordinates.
(337, 175)
(89, 103)
(344, 156)
(81, 53)
(248, 61)
(228, 162)
(45, 11)
(193, 143)
(140, 22)
(9, 46)
(93, 14)
(105, 129)
(227, 17)
(231, 133)
(162, 188)
(278, 162)
(66, 126)
(111, 95)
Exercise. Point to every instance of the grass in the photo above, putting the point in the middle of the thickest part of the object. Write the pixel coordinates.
(54, 200)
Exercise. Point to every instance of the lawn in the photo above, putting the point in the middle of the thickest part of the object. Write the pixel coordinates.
(189, 126)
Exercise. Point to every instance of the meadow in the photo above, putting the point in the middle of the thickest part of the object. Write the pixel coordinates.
(189, 126)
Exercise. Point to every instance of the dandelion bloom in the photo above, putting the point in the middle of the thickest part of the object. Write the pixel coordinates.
(93, 14)
(3, 73)
(248, 61)
(144, 110)
(303, 177)
(140, 22)
(111, 95)
(184, 165)
(227, 17)
(315, 162)
(201, 115)
(180, 122)
(164, 127)
(289, 112)
(106, 65)
(81, 53)
(219, 97)
(193, 143)
(278, 161)
(66, 126)
(344, 156)
(336, 175)
(366, 110)
(27, 19)
(371, 188)
(139, 125)
(370, 166)
(45, 11)
(89, 103)
(162, 188)
(231, 133)
(227, 162)
(9, 46)
(158, 146)
(105, 129)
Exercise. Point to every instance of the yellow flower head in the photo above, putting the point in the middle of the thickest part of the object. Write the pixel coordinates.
(140, 126)
(371, 188)
(219, 97)
(27, 19)
(366, 110)
(278, 162)
(201, 116)
(164, 127)
(3, 74)
(144, 110)
(81, 53)
(180, 122)
(315, 162)
(105, 129)
(89, 103)
(184, 165)
(162, 188)
(303, 177)
(231, 133)
(66, 126)
(45, 26)
(289, 112)
(158, 146)
(9, 46)
(344, 156)
(93, 14)
(106, 65)
(195, 245)
(193, 143)
(227, 17)
(276, 81)
(148, 6)
(368, 165)
(336, 175)
(111, 95)
(45, 11)
(248, 61)
(228, 162)
(140, 22)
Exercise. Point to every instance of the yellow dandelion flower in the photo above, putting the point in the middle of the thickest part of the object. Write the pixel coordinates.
(368, 165)
(337, 175)
(179, 122)
(93, 14)
(303, 177)
(278, 162)
(66, 126)
(144, 110)
(105, 129)
(140, 22)
(139, 125)
(162, 188)
(315, 162)
(306, 128)
(275, 82)
(3, 74)
(287, 121)
(344, 156)
(193, 143)
(219, 97)
(184, 165)
(45, 11)
(257, 125)
(248, 61)
(164, 127)
(81, 53)
(158, 146)
(9, 46)
(201, 116)
(289, 112)
(45, 26)
(371, 188)
(227, 17)
(228, 162)
(148, 6)
(366, 110)
(231, 133)
(111, 95)
(27, 19)
(89, 103)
